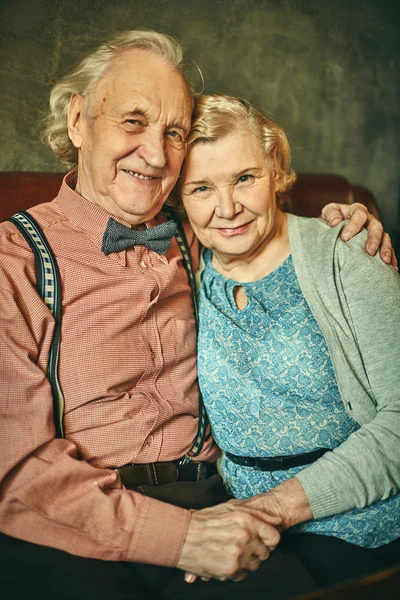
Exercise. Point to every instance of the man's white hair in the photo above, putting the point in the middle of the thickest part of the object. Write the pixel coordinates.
(84, 78)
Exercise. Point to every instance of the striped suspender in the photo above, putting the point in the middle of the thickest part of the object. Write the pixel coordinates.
(48, 286)
(187, 261)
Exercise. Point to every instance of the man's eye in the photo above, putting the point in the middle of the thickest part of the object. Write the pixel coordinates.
(244, 178)
(175, 135)
(133, 122)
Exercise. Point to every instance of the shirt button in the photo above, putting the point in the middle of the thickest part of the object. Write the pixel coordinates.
(149, 439)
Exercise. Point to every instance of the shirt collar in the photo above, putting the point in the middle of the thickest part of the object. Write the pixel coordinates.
(89, 217)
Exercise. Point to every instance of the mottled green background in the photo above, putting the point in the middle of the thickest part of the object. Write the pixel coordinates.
(327, 70)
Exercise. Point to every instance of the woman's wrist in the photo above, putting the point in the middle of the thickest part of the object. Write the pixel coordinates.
(289, 501)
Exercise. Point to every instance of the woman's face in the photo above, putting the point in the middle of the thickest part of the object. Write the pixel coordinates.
(228, 190)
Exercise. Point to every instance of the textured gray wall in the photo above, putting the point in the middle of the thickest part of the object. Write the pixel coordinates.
(327, 70)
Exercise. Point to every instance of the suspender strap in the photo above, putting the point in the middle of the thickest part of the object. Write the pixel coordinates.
(48, 286)
(187, 261)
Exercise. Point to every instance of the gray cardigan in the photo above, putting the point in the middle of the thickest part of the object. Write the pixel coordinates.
(355, 299)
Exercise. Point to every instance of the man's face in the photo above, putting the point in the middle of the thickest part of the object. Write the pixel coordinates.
(131, 136)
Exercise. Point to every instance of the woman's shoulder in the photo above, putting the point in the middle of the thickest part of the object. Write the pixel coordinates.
(316, 235)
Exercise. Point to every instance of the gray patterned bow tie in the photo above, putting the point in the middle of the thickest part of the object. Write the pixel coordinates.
(118, 237)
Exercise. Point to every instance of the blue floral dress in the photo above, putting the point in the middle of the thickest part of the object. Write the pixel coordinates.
(270, 389)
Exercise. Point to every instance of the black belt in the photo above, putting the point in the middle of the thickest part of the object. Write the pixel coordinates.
(160, 473)
(277, 463)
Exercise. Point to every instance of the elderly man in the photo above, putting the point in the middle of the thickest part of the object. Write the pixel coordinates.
(81, 514)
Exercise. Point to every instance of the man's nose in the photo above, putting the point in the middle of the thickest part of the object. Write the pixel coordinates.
(153, 150)
(227, 208)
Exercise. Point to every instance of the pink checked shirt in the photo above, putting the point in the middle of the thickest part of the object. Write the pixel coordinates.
(128, 374)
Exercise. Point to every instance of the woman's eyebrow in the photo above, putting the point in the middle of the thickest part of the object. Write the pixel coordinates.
(234, 176)
(246, 170)
(199, 182)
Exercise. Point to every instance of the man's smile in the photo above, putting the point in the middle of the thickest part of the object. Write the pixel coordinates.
(140, 176)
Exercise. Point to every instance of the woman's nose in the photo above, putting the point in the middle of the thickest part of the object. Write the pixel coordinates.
(227, 208)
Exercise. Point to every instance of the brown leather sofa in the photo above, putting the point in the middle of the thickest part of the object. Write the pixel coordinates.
(21, 189)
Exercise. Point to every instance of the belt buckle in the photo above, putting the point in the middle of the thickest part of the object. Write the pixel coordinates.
(200, 466)
(201, 471)
(185, 460)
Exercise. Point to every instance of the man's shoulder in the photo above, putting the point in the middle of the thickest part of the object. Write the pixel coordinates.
(46, 215)
(16, 257)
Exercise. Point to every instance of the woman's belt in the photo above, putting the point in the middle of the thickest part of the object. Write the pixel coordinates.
(161, 473)
(277, 463)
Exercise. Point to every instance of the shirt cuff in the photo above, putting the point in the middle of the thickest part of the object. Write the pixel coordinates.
(159, 535)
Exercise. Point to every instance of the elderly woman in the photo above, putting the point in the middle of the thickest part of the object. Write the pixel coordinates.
(298, 350)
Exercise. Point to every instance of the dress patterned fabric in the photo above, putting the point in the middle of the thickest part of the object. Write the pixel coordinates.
(270, 389)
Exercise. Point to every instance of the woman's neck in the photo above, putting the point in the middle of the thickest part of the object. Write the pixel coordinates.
(261, 261)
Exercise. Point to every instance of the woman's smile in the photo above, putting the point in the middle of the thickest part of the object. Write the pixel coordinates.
(233, 231)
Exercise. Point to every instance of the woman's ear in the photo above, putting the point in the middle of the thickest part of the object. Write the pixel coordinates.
(76, 120)
(277, 177)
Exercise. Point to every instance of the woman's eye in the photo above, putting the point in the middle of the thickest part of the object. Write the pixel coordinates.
(201, 188)
(244, 178)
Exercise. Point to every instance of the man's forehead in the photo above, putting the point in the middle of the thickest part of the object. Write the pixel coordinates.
(139, 76)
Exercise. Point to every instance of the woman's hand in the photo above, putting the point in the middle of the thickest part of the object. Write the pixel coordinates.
(360, 217)
(287, 500)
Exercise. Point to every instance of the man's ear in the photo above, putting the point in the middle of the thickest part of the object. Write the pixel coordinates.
(76, 120)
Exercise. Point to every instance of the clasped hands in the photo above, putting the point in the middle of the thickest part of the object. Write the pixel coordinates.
(230, 540)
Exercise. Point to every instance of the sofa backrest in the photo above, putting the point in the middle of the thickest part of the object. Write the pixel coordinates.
(20, 190)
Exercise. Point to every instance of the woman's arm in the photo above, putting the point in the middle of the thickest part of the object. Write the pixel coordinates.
(366, 467)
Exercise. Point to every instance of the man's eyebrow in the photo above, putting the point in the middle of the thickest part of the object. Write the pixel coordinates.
(134, 111)
(176, 125)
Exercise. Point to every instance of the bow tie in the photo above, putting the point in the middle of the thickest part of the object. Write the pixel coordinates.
(118, 237)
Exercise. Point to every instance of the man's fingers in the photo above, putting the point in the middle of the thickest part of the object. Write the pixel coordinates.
(226, 542)
(332, 214)
(270, 536)
(393, 260)
(386, 249)
(358, 215)
(375, 237)
(242, 575)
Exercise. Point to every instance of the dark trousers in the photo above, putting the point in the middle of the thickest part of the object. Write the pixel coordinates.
(302, 563)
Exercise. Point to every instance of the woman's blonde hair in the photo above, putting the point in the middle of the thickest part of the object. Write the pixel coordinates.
(90, 70)
(218, 115)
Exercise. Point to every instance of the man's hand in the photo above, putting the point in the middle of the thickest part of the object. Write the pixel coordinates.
(228, 541)
(359, 217)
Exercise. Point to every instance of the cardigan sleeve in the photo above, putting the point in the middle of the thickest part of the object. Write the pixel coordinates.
(366, 467)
